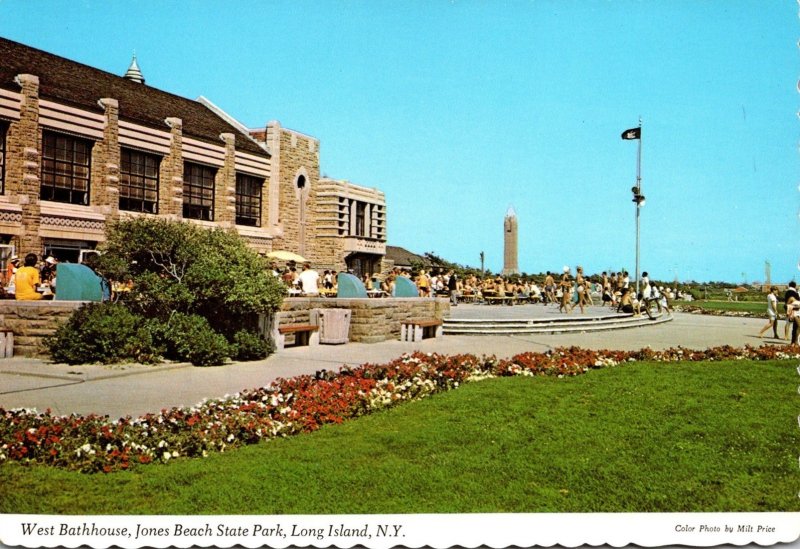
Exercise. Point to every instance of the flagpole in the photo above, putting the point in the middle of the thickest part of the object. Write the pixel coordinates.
(638, 202)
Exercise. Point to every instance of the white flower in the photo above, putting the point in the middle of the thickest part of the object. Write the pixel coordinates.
(162, 444)
(166, 456)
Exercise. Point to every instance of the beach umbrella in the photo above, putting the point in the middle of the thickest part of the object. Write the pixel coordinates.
(283, 255)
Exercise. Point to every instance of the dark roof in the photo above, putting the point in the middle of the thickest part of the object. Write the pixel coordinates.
(79, 85)
(402, 257)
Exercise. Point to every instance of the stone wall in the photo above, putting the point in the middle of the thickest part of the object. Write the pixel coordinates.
(32, 321)
(372, 320)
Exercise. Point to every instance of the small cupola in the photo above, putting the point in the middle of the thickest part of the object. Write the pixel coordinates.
(134, 74)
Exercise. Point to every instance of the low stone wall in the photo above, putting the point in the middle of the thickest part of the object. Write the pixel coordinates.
(32, 321)
(372, 320)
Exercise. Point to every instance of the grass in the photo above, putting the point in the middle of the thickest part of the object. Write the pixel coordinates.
(684, 437)
(755, 307)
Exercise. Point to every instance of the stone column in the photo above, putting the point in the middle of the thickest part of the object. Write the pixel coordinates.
(105, 162)
(225, 185)
(170, 195)
(272, 198)
(26, 144)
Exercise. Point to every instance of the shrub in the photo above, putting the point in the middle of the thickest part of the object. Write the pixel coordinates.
(251, 346)
(103, 332)
(189, 337)
(180, 267)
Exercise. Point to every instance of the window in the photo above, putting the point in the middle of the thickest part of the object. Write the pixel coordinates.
(3, 129)
(198, 191)
(248, 200)
(361, 211)
(65, 168)
(138, 181)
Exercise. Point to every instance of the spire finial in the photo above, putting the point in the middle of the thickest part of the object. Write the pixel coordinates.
(134, 74)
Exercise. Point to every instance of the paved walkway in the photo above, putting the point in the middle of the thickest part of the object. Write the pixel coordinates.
(136, 389)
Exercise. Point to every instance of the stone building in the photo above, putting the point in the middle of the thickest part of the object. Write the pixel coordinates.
(80, 147)
(510, 262)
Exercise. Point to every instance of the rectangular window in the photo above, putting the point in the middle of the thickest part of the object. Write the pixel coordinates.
(138, 181)
(248, 200)
(361, 211)
(198, 191)
(3, 131)
(66, 162)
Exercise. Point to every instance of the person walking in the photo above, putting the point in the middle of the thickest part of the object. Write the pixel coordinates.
(772, 313)
(452, 287)
(581, 290)
(791, 300)
(549, 289)
(566, 292)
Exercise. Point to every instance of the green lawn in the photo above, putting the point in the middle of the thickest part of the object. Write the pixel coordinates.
(754, 307)
(684, 437)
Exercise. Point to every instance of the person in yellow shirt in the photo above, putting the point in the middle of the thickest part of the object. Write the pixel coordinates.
(27, 279)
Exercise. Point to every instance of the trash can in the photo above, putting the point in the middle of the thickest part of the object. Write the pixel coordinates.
(334, 325)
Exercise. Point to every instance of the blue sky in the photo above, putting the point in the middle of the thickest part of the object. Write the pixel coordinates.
(458, 110)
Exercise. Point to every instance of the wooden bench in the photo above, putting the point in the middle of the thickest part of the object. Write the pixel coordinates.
(417, 330)
(510, 300)
(304, 334)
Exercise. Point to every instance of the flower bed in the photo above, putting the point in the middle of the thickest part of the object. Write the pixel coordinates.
(289, 406)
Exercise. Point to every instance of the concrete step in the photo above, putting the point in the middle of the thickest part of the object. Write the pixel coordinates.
(547, 326)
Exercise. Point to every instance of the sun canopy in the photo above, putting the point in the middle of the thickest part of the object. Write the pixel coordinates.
(349, 286)
(404, 287)
(284, 255)
(76, 282)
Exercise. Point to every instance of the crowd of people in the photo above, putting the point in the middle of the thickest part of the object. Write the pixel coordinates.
(29, 279)
(564, 291)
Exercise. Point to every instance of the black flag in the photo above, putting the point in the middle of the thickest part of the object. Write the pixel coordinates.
(633, 133)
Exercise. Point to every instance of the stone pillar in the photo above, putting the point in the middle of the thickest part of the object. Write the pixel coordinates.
(105, 162)
(272, 199)
(170, 196)
(225, 185)
(26, 143)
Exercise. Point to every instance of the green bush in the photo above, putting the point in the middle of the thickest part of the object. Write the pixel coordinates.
(189, 337)
(251, 346)
(103, 332)
(194, 286)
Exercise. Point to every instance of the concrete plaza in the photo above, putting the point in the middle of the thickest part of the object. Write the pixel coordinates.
(138, 389)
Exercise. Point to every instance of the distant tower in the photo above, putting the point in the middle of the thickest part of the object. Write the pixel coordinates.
(134, 74)
(510, 264)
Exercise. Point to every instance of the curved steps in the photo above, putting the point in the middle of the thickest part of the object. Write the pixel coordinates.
(502, 326)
